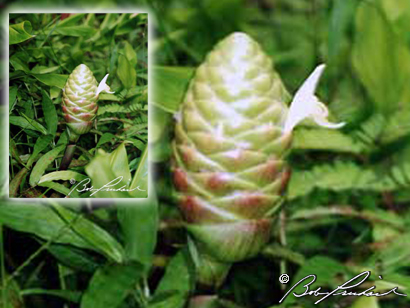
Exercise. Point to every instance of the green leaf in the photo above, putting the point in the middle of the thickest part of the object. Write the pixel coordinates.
(50, 114)
(170, 300)
(139, 225)
(380, 58)
(12, 97)
(20, 32)
(140, 179)
(173, 82)
(105, 168)
(341, 18)
(326, 270)
(107, 137)
(14, 151)
(109, 97)
(60, 225)
(366, 302)
(19, 64)
(72, 296)
(59, 188)
(179, 275)
(16, 181)
(43, 163)
(72, 20)
(52, 80)
(119, 163)
(62, 176)
(39, 69)
(74, 258)
(42, 142)
(27, 123)
(111, 284)
(130, 53)
(325, 139)
(394, 255)
(80, 31)
(93, 235)
(126, 72)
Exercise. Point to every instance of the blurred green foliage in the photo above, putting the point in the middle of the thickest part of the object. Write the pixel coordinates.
(347, 209)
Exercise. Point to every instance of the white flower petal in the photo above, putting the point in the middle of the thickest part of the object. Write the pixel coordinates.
(103, 87)
(306, 105)
(325, 123)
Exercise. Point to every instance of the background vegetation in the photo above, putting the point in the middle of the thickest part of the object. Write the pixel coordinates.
(347, 202)
(44, 50)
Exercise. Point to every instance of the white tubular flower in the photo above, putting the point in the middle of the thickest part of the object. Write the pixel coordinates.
(103, 87)
(306, 105)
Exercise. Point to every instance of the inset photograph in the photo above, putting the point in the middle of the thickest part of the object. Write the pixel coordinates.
(78, 105)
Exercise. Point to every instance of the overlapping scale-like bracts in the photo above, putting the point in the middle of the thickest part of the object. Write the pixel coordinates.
(228, 154)
(80, 101)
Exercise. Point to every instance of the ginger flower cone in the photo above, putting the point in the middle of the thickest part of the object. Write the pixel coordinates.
(79, 104)
(229, 151)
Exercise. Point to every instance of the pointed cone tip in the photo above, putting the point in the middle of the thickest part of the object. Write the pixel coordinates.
(239, 39)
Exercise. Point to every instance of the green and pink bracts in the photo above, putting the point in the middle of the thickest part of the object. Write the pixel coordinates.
(80, 96)
(231, 138)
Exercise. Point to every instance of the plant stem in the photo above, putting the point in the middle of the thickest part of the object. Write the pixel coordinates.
(282, 236)
(68, 156)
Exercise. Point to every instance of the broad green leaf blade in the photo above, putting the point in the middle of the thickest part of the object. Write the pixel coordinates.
(110, 175)
(395, 255)
(19, 64)
(72, 296)
(139, 225)
(126, 72)
(173, 82)
(42, 142)
(40, 69)
(326, 140)
(27, 123)
(80, 31)
(14, 153)
(179, 278)
(341, 18)
(119, 163)
(130, 53)
(72, 20)
(43, 163)
(50, 114)
(106, 137)
(75, 258)
(20, 32)
(12, 97)
(140, 180)
(64, 227)
(380, 58)
(95, 236)
(52, 80)
(60, 188)
(366, 302)
(102, 175)
(66, 175)
(169, 300)
(16, 181)
(111, 284)
(327, 271)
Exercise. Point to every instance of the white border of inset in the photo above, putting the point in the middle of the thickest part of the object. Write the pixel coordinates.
(13, 9)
